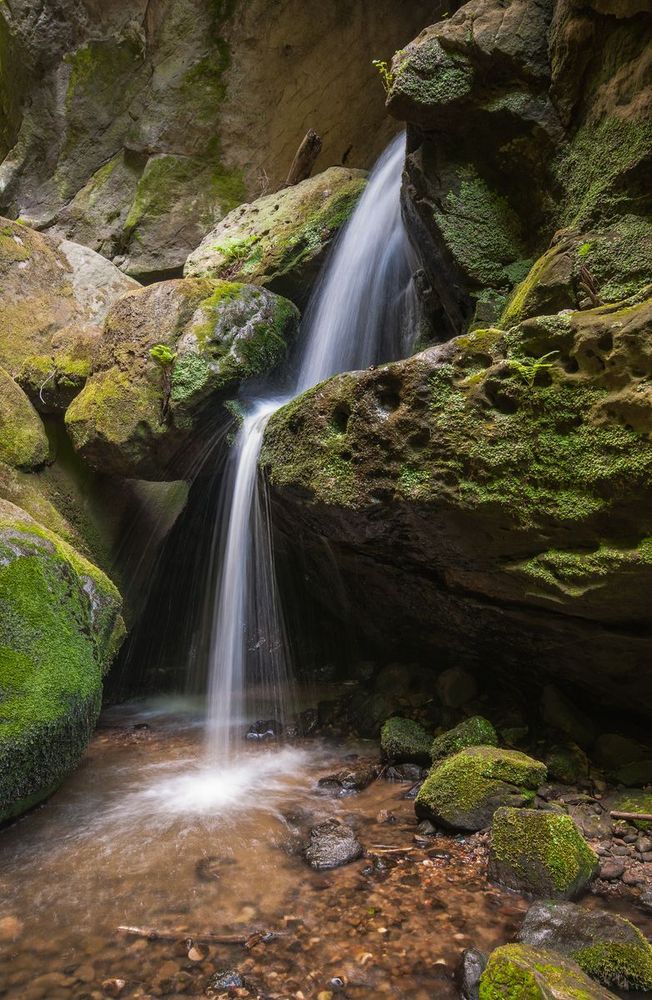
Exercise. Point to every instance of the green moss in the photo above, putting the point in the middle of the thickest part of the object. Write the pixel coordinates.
(621, 965)
(518, 972)
(619, 258)
(635, 801)
(481, 230)
(463, 790)
(403, 740)
(519, 305)
(542, 852)
(58, 626)
(428, 75)
(469, 733)
(573, 574)
(568, 764)
(23, 441)
(592, 168)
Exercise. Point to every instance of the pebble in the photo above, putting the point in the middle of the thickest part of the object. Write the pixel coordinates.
(113, 987)
(620, 852)
(644, 845)
(10, 928)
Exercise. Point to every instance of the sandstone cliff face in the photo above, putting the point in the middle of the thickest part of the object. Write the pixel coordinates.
(135, 126)
(489, 499)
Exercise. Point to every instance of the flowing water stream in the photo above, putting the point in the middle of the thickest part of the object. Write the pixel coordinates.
(362, 312)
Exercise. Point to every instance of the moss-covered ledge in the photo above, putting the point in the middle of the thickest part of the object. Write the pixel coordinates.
(60, 627)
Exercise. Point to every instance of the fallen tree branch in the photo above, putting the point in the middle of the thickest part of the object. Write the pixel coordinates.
(248, 940)
(646, 817)
(304, 159)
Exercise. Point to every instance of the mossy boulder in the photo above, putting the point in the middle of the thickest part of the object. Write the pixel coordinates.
(280, 240)
(540, 852)
(23, 441)
(518, 972)
(568, 763)
(607, 947)
(472, 732)
(464, 791)
(170, 358)
(54, 297)
(60, 627)
(513, 471)
(403, 741)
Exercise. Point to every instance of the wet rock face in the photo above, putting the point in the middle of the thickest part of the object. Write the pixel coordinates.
(606, 946)
(505, 107)
(479, 495)
(135, 127)
(332, 844)
(518, 970)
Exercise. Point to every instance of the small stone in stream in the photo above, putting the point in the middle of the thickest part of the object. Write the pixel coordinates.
(620, 852)
(196, 953)
(350, 779)
(265, 729)
(405, 772)
(386, 816)
(472, 966)
(227, 981)
(332, 844)
(610, 871)
(209, 869)
(631, 878)
(113, 987)
(645, 900)
(644, 845)
(426, 828)
(141, 725)
(337, 983)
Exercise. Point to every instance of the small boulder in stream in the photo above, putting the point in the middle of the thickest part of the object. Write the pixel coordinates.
(540, 852)
(516, 970)
(472, 732)
(606, 946)
(332, 844)
(359, 775)
(404, 741)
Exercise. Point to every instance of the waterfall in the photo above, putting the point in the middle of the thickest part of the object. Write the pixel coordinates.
(362, 312)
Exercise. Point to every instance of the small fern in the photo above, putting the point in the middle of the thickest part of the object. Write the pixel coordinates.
(386, 74)
(527, 369)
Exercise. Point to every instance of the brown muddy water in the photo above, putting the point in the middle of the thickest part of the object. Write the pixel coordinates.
(144, 836)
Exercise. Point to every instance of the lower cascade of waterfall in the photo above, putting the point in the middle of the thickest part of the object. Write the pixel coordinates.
(362, 312)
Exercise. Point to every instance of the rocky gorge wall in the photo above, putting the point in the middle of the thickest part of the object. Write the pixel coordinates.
(133, 127)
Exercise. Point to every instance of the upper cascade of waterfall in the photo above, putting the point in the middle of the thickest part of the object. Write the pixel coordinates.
(363, 308)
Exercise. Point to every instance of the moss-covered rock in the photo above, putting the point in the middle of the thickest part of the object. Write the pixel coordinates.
(464, 791)
(23, 441)
(566, 762)
(513, 470)
(634, 800)
(540, 852)
(60, 627)
(472, 732)
(518, 972)
(169, 354)
(607, 947)
(404, 741)
(280, 240)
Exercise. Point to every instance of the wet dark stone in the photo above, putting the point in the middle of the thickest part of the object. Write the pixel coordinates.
(472, 966)
(331, 845)
(225, 981)
(351, 779)
(405, 772)
(265, 729)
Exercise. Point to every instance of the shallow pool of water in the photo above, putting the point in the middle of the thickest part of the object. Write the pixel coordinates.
(146, 836)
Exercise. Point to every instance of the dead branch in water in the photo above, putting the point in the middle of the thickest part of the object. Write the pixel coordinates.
(646, 817)
(304, 159)
(248, 940)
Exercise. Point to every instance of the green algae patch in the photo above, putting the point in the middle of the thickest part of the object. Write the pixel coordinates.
(23, 441)
(635, 801)
(472, 732)
(464, 791)
(404, 741)
(540, 852)
(60, 626)
(519, 972)
(622, 965)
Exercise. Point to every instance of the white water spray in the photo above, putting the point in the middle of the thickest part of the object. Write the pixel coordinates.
(362, 312)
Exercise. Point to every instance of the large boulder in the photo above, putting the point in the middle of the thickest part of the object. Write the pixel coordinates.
(135, 127)
(60, 627)
(54, 298)
(280, 241)
(606, 946)
(487, 500)
(516, 971)
(540, 852)
(170, 357)
(464, 791)
(23, 441)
